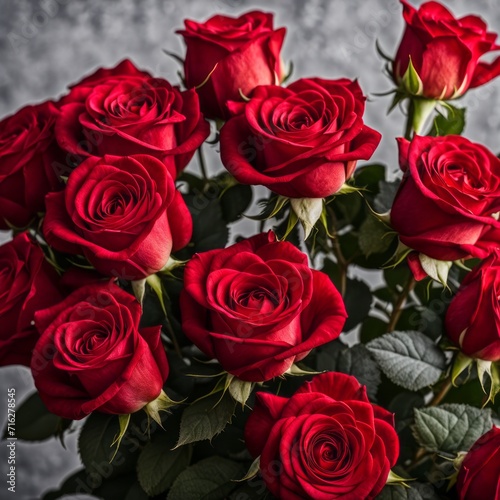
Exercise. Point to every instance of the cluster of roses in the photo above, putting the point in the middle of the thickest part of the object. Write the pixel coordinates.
(92, 178)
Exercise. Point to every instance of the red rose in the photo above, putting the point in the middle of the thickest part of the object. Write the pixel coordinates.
(479, 475)
(123, 111)
(91, 354)
(123, 213)
(27, 283)
(473, 317)
(446, 206)
(302, 141)
(326, 441)
(227, 57)
(445, 51)
(27, 151)
(257, 307)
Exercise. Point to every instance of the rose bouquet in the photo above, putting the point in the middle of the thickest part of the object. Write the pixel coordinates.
(209, 346)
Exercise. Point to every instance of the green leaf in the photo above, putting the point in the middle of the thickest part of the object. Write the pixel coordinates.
(234, 201)
(370, 177)
(374, 236)
(398, 492)
(135, 492)
(96, 438)
(211, 479)
(81, 483)
(450, 427)
(348, 208)
(115, 488)
(194, 182)
(209, 227)
(206, 418)
(332, 270)
(357, 300)
(254, 489)
(355, 361)
(76, 483)
(158, 465)
(35, 423)
(404, 404)
(96, 450)
(451, 124)
(395, 277)
(372, 328)
(409, 359)
(385, 197)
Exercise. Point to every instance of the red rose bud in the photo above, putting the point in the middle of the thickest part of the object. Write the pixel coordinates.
(448, 202)
(92, 356)
(27, 153)
(228, 57)
(473, 317)
(439, 55)
(257, 307)
(326, 441)
(123, 213)
(302, 141)
(479, 473)
(27, 283)
(124, 111)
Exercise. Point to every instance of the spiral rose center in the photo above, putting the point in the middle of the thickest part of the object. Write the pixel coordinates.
(330, 453)
(116, 206)
(127, 104)
(463, 176)
(90, 341)
(262, 299)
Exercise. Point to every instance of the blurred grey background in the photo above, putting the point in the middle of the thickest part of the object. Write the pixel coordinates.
(47, 44)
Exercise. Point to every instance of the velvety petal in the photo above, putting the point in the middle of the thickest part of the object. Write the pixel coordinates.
(263, 145)
(244, 48)
(444, 67)
(479, 470)
(485, 72)
(136, 367)
(266, 411)
(338, 386)
(32, 284)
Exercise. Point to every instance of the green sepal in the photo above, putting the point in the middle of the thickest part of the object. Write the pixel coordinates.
(393, 478)
(204, 82)
(160, 404)
(489, 370)
(412, 81)
(296, 371)
(460, 364)
(253, 470)
(123, 421)
(279, 204)
(155, 283)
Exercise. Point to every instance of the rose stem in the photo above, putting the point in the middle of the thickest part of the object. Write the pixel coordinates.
(173, 338)
(409, 120)
(337, 251)
(420, 457)
(398, 307)
(201, 161)
(442, 393)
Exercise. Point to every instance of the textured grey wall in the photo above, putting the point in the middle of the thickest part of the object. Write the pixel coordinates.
(47, 44)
